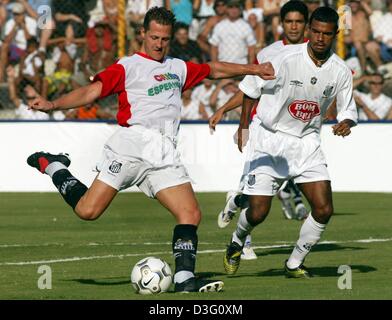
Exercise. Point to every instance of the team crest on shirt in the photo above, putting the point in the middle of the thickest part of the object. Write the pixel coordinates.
(313, 80)
(115, 167)
(251, 179)
(304, 110)
(328, 91)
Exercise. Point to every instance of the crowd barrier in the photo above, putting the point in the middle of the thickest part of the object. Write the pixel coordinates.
(360, 162)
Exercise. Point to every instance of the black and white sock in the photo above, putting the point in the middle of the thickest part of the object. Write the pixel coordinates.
(184, 247)
(70, 188)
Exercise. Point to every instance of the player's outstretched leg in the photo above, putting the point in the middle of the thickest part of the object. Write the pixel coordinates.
(184, 250)
(301, 213)
(56, 166)
(285, 198)
(248, 252)
(181, 202)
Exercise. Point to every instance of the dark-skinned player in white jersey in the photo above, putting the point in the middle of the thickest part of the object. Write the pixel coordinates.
(285, 143)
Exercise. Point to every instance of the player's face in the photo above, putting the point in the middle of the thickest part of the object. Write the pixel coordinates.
(321, 36)
(294, 27)
(156, 40)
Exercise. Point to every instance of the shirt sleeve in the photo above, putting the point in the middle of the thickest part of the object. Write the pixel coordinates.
(252, 86)
(113, 80)
(195, 74)
(345, 102)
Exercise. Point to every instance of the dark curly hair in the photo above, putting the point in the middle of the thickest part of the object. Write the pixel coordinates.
(160, 15)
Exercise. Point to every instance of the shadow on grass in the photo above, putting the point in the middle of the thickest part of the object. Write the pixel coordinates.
(103, 282)
(321, 247)
(344, 214)
(318, 271)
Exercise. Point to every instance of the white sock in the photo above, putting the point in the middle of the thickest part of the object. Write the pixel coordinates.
(248, 241)
(182, 276)
(53, 167)
(243, 229)
(309, 235)
(232, 205)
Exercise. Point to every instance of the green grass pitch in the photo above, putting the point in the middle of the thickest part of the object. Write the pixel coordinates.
(93, 260)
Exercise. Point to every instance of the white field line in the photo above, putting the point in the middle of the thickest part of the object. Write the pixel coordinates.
(145, 254)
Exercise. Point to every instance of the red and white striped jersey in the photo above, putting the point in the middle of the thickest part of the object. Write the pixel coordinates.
(149, 91)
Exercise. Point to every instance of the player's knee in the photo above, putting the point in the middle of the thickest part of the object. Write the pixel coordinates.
(195, 216)
(323, 213)
(89, 213)
(256, 215)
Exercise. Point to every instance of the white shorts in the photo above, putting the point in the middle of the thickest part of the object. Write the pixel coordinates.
(266, 185)
(142, 157)
(275, 157)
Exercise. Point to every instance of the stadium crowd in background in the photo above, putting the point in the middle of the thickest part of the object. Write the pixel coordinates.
(55, 46)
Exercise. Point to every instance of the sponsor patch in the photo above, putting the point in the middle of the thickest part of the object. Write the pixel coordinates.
(304, 110)
(313, 80)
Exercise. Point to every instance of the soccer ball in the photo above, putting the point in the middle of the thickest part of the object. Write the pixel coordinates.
(151, 275)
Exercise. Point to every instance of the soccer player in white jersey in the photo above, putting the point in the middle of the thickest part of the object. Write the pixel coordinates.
(149, 86)
(286, 142)
(294, 16)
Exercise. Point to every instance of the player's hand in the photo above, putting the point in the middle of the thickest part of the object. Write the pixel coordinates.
(215, 119)
(343, 128)
(242, 137)
(41, 104)
(266, 71)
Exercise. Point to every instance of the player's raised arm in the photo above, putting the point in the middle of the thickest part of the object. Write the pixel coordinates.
(76, 98)
(228, 70)
(243, 128)
(234, 102)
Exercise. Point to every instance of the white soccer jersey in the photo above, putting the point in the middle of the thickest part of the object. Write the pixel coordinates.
(270, 51)
(296, 101)
(149, 91)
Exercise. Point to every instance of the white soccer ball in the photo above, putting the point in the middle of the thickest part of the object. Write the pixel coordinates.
(151, 275)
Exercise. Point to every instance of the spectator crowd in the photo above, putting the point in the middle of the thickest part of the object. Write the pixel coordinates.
(50, 47)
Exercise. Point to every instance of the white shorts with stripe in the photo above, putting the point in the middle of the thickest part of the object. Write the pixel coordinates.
(143, 157)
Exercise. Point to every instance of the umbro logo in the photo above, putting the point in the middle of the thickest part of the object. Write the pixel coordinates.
(296, 83)
(115, 167)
